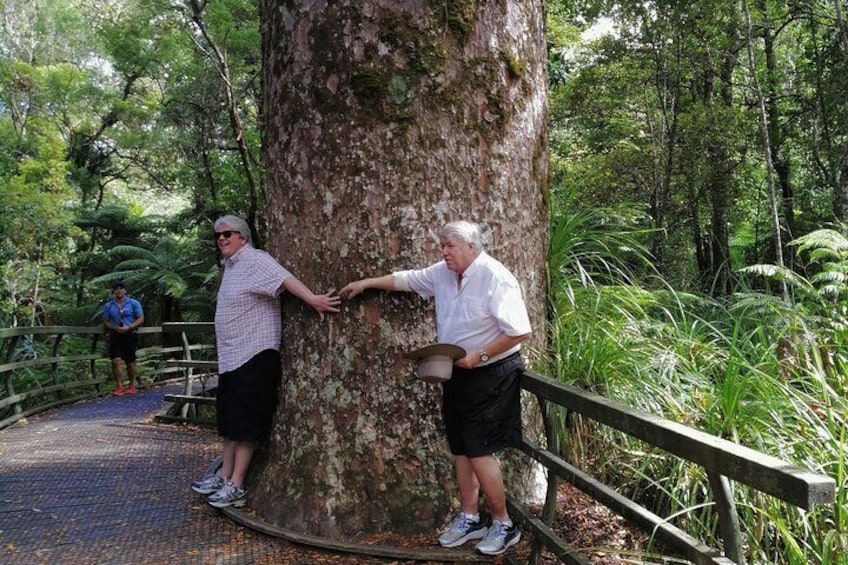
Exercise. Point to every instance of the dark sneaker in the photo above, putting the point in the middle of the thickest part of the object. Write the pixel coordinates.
(498, 539)
(208, 485)
(228, 495)
(461, 530)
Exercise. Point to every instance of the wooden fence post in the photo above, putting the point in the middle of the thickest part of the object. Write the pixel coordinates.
(10, 387)
(728, 518)
(549, 510)
(189, 375)
(91, 363)
(54, 367)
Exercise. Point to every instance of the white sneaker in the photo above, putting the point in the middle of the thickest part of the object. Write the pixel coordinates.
(208, 485)
(499, 538)
(228, 495)
(461, 530)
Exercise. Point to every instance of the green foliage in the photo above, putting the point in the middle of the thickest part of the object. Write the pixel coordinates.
(34, 191)
(167, 272)
(757, 371)
(653, 105)
(816, 319)
(109, 114)
(200, 139)
(162, 266)
(593, 247)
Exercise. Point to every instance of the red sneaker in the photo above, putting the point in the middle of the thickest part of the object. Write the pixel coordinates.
(119, 391)
(131, 390)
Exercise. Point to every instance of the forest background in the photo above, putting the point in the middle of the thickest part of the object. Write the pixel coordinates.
(699, 189)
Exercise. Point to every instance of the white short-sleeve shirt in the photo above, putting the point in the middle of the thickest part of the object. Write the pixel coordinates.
(488, 302)
(247, 315)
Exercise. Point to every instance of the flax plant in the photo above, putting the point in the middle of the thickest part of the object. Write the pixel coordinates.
(759, 371)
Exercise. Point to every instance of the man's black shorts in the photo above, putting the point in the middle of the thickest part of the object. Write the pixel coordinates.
(247, 397)
(123, 346)
(482, 407)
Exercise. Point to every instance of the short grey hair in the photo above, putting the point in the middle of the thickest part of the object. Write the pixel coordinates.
(237, 224)
(466, 232)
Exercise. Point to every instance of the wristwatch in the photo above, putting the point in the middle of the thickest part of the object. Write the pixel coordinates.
(484, 357)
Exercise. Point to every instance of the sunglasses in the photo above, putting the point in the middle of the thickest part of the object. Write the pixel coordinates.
(226, 233)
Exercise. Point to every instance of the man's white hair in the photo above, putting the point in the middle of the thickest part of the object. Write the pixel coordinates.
(464, 231)
(237, 224)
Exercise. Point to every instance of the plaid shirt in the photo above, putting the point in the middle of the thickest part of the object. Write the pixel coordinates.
(247, 316)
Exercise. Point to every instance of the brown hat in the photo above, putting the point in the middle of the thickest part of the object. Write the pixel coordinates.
(435, 361)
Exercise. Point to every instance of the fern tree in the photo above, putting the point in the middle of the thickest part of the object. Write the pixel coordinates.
(818, 304)
(167, 275)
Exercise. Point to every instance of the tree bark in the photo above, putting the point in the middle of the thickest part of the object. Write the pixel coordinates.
(382, 121)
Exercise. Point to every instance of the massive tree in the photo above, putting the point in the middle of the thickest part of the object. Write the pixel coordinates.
(383, 120)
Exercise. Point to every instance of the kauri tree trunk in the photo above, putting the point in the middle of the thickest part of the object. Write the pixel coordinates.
(382, 121)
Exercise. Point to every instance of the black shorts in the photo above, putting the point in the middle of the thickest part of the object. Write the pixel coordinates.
(482, 407)
(123, 346)
(247, 397)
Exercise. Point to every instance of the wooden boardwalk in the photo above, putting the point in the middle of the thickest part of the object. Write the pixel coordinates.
(100, 482)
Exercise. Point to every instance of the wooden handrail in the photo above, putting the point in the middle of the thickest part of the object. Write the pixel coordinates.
(721, 459)
(188, 327)
(50, 330)
(37, 395)
(763, 472)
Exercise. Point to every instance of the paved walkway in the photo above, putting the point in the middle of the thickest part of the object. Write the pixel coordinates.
(99, 482)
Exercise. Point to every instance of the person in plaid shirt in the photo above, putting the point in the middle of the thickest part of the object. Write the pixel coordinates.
(248, 330)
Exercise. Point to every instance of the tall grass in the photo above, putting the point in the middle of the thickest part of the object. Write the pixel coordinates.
(757, 371)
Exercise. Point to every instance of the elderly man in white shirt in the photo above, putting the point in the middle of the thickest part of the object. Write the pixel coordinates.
(248, 332)
(479, 307)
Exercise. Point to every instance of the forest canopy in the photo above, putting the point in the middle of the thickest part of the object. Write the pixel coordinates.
(720, 126)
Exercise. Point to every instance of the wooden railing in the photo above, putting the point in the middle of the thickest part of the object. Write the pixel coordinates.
(46, 366)
(722, 460)
(189, 402)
